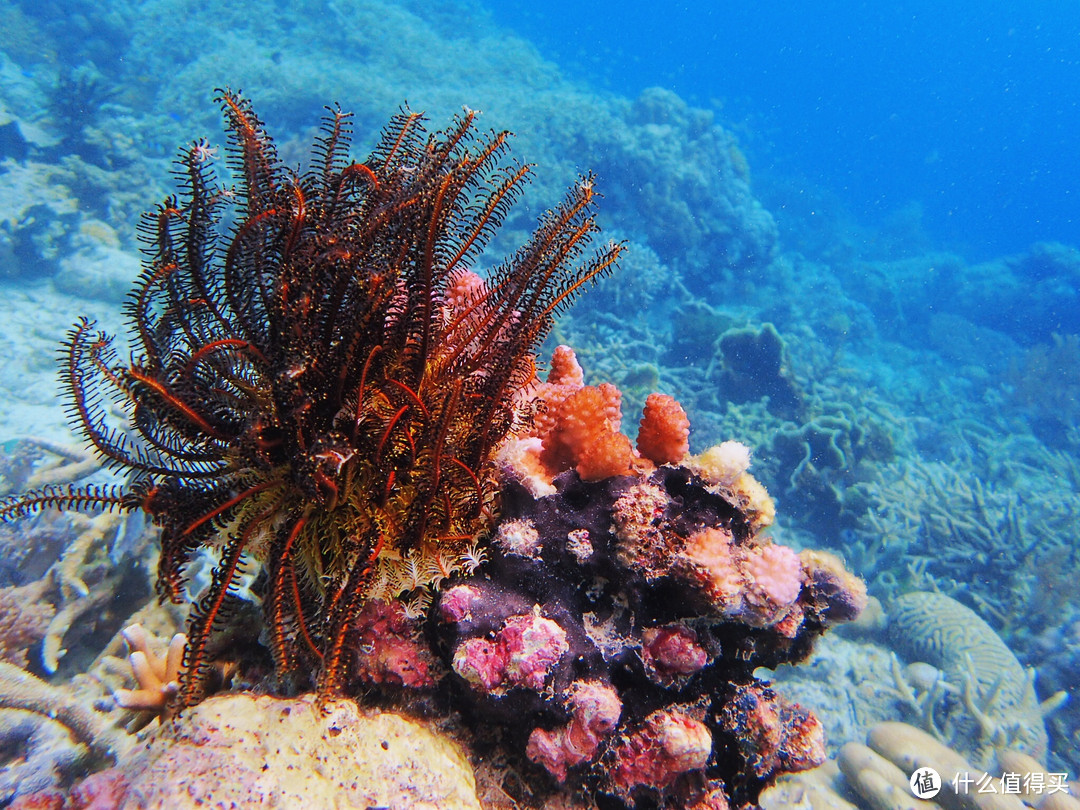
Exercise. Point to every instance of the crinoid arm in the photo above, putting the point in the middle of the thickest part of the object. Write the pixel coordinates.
(318, 390)
(69, 498)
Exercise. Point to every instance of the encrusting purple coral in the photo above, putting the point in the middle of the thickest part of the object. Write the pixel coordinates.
(615, 647)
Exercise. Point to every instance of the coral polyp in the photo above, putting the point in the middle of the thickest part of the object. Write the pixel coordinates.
(320, 389)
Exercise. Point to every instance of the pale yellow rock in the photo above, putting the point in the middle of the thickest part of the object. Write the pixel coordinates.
(881, 794)
(245, 752)
(1017, 762)
(854, 758)
(910, 748)
(1060, 801)
(816, 789)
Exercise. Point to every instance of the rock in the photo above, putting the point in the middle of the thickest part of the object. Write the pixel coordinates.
(246, 752)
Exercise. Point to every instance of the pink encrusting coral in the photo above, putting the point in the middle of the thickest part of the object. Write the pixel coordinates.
(457, 603)
(774, 575)
(594, 713)
(669, 744)
(389, 650)
(772, 733)
(522, 653)
(759, 584)
(672, 652)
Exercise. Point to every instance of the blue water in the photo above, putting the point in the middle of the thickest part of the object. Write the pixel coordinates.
(968, 113)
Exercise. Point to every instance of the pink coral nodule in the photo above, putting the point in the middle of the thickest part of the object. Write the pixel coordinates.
(668, 745)
(534, 645)
(523, 652)
(775, 574)
(596, 709)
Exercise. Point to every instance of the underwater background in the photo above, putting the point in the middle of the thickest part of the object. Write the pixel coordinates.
(851, 244)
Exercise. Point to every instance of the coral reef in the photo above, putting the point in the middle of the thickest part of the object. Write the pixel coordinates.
(624, 617)
(333, 385)
(1045, 383)
(969, 506)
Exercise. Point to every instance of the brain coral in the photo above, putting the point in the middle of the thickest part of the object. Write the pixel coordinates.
(935, 628)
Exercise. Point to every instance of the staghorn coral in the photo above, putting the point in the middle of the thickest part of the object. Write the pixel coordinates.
(324, 393)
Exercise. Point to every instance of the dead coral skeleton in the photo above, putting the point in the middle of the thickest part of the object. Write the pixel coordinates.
(47, 754)
(20, 689)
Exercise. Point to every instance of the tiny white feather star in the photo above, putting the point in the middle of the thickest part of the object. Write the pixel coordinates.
(203, 152)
